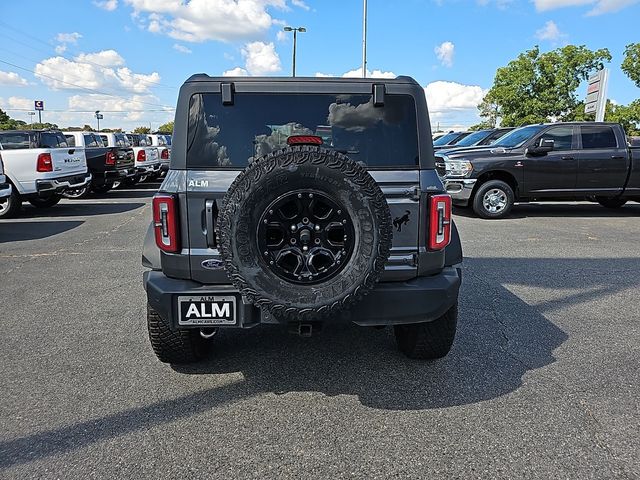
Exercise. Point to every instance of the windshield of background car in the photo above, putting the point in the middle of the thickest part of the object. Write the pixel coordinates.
(517, 137)
(122, 140)
(472, 139)
(257, 124)
(445, 139)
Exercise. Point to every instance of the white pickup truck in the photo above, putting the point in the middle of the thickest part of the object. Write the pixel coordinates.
(163, 144)
(40, 166)
(5, 187)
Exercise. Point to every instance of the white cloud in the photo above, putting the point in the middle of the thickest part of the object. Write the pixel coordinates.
(12, 79)
(19, 103)
(550, 32)
(72, 37)
(300, 4)
(236, 72)
(598, 6)
(134, 107)
(105, 58)
(261, 58)
(281, 36)
(108, 5)
(202, 20)
(60, 49)
(181, 48)
(445, 52)
(357, 73)
(60, 73)
(447, 96)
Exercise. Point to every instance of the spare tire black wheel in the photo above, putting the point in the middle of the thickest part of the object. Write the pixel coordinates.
(304, 232)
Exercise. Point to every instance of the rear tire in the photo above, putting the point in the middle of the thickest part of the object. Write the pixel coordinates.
(493, 199)
(174, 346)
(45, 202)
(610, 202)
(11, 205)
(429, 340)
(77, 192)
(101, 189)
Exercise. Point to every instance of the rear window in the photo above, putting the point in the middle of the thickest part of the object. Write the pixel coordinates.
(92, 141)
(15, 140)
(71, 140)
(122, 140)
(53, 140)
(598, 137)
(257, 124)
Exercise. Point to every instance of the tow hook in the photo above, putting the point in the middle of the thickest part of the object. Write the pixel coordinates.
(208, 332)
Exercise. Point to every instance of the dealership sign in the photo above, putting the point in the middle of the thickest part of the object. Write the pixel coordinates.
(596, 99)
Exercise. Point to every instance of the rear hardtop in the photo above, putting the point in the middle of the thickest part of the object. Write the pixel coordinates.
(202, 176)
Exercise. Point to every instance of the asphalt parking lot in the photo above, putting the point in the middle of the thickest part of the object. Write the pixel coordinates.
(543, 380)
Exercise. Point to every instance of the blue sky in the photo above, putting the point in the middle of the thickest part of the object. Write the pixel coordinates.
(129, 57)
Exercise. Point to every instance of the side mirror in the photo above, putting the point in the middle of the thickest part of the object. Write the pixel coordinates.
(542, 147)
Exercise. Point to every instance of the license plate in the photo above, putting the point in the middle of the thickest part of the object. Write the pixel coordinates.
(207, 310)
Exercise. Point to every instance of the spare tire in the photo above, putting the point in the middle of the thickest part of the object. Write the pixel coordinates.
(304, 232)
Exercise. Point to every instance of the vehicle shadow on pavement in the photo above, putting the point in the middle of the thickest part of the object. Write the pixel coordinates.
(79, 209)
(568, 210)
(20, 231)
(501, 337)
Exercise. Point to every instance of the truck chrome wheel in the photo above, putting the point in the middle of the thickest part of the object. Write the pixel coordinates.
(494, 200)
(305, 237)
(4, 205)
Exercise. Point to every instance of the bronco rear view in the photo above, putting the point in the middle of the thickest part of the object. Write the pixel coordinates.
(293, 201)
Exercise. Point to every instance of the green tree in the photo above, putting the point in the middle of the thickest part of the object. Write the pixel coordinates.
(8, 123)
(540, 87)
(631, 62)
(166, 128)
(142, 130)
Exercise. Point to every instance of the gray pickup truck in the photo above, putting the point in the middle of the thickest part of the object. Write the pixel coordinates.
(293, 201)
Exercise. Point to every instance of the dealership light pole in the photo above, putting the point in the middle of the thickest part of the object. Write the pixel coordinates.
(295, 39)
(99, 116)
(31, 114)
(364, 40)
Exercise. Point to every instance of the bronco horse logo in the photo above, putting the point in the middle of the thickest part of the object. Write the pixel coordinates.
(403, 220)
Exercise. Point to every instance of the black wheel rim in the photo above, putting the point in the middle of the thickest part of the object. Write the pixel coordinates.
(305, 237)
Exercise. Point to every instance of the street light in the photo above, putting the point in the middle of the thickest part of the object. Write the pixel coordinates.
(31, 114)
(295, 37)
(99, 117)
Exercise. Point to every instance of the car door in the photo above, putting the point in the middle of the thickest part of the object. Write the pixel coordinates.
(603, 163)
(555, 173)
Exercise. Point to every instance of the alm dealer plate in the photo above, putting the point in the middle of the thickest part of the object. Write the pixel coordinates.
(207, 310)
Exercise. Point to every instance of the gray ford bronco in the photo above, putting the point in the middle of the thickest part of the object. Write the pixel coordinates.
(296, 200)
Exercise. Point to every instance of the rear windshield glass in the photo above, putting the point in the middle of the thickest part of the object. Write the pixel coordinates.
(53, 140)
(257, 124)
(15, 140)
(92, 141)
(122, 140)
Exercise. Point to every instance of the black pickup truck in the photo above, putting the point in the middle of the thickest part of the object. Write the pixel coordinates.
(106, 164)
(546, 162)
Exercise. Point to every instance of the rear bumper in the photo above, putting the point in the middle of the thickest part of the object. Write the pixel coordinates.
(148, 169)
(59, 185)
(119, 174)
(391, 303)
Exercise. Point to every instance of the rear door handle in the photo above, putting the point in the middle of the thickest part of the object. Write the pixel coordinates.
(617, 157)
(210, 212)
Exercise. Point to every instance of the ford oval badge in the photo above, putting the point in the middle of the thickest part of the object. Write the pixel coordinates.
(212, 264)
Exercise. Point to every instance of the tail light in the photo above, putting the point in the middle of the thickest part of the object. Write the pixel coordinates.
(142, 156)
(165, 154)
(304, 140)
(111, 158)
(165, 222)
(439, 221)
(45, 164)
